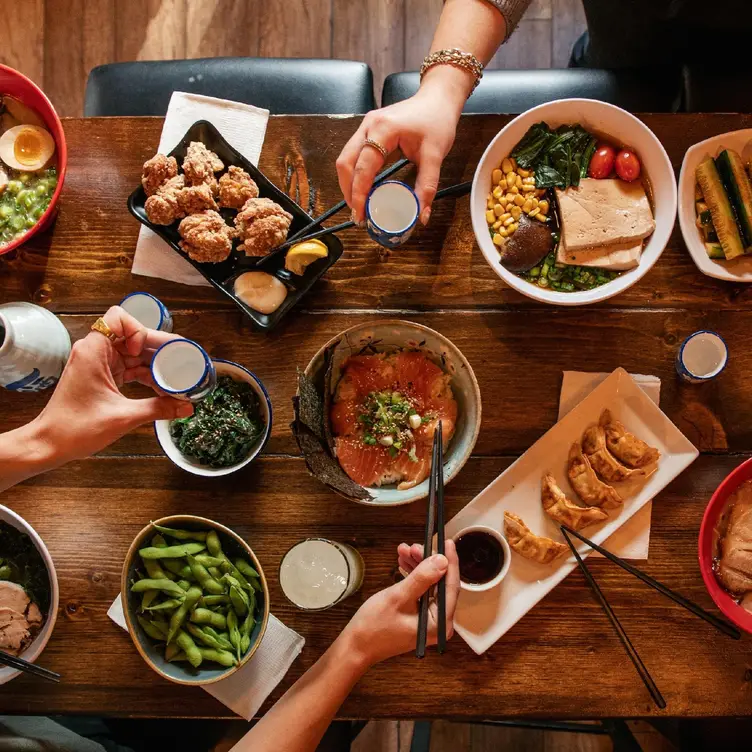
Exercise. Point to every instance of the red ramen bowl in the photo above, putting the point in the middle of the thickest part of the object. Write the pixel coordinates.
(740, 616)
(16, 85)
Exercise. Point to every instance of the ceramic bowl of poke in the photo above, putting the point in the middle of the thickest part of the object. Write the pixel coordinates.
(239, 415)
(573, 202)
(29, 592)
(368, 405)
(723, 553)
(33, 159)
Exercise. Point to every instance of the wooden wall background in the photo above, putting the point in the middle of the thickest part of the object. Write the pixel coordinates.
(57, 42)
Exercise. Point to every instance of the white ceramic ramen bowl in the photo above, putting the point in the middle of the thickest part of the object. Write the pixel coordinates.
(40, 642)
(386, 335)
(604, 120)
(239, 373)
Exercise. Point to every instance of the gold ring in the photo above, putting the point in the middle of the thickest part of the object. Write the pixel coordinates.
(100, 325)
(376, 145)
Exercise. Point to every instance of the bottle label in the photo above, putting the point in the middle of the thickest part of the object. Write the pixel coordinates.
(34, 382)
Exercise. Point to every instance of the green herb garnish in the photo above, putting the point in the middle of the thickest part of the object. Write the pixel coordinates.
(224, 426)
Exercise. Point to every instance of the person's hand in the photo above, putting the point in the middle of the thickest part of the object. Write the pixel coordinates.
(387, 623)
(87, 411)
(422, 127)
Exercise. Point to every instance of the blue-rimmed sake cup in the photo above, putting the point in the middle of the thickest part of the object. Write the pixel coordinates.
(148, 310)
(184, 370)
(701, 357)
(392, 210)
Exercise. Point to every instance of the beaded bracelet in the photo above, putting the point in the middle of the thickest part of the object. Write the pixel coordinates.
(465, 60)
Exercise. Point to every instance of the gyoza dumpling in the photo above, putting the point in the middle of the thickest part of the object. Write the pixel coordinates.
(603, 462)
(527, 544)
(560, 508)
(587, 485)
(626, 447)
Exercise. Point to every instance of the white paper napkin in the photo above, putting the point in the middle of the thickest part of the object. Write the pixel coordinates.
(632, 539)
(245, 691)
(244, 127)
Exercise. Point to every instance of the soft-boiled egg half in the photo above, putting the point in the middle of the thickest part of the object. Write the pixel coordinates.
(26, 147)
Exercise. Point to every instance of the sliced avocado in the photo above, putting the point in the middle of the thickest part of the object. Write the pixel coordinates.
(724, 220)
(739, 190)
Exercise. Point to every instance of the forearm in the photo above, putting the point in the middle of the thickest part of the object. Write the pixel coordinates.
(474, 26)
(24, 452)
(299, 719)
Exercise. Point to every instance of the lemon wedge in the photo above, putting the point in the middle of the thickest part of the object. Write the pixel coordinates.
(302, 255)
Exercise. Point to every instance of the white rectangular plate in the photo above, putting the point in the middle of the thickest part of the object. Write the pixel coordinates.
(740, 269)
(483, 618)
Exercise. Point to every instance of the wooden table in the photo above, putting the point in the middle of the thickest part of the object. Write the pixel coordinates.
(562, 659)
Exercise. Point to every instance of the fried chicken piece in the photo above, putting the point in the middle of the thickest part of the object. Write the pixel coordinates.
(200, 164)
(236, 186)
(206, 237)
(196, 198)
(157, 171)
(262, 225)
(163, 208)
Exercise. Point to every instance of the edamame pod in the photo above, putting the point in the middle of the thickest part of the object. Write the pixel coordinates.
(165, 585)
(152, 628)
(185, 584)
(228, 567)
(222, 657)
(222, 637)
(200, 634)
(167, 605)
(5, 572)
(192, 653)
(245, 568)
(210, 601)
(172, 552)
(205, 616)
(197, 535)
(178, 568)
(178, 617)
(232, 625)
(215, 573)
(171, 651)
(147, 599)
(213, 545)
(205, 580)
(245, 643)
(178, 657)
(208, 561)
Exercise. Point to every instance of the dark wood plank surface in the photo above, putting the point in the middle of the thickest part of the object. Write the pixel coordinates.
(562, 659)
(83, 264)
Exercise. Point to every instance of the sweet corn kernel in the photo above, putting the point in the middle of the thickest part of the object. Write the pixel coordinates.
(519, 199)
(496, 176)
(518, 181)
(510, 198)
(512, 228)
(534, 201)
(490, 216)
(541, 217)
(497, 224)
(528, 181)
(497, 193)
(498, 210)
(510, 178)
(543, 205)
(498, 239)
(506, 166)
(503, 232)
(505, 216)
(527, 206)
(534, 213)
(514, 189)
(503, 184)
(524, 173)
(513, 162)
(516, 211)
(528, 188)
(509, 221)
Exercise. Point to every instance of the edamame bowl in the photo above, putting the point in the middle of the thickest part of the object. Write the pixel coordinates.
(24, 201)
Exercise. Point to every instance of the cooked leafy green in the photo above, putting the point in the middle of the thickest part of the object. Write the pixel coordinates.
(224, 426)
(559, 158)
(21, 562)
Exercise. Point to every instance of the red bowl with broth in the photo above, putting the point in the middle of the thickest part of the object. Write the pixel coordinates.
(15, 84)
(717, 505)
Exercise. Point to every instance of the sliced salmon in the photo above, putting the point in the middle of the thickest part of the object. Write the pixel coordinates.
(416, 377)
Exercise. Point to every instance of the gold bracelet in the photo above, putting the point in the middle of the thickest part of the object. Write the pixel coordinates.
(456, 57)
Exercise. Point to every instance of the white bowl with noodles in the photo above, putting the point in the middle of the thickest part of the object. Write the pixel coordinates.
(381, 336)
(607, 122)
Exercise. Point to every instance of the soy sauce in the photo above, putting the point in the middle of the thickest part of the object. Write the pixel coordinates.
(481, 557)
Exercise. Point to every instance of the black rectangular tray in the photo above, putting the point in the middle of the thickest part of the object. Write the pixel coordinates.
(223, 274)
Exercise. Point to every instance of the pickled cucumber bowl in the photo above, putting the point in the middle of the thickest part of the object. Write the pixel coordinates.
(28, 198)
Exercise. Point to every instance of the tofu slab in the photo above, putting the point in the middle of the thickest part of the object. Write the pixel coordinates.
(618, 257)
(604, 212)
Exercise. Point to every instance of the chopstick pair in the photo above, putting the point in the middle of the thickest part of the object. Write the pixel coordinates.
(719, 624)
(20, 664)
(452, 191)
(434, 520)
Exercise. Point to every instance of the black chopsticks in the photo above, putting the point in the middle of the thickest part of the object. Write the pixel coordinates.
(722, 626)
(434, 516)
(625, 641)
(452, 191)
(30, 668)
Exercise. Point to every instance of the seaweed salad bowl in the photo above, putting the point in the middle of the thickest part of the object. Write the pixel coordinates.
(196, 466)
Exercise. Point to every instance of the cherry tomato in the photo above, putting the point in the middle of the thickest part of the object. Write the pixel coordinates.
(602, 162)
(627, 165)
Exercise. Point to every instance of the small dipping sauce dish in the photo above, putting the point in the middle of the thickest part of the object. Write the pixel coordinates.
(484, 557)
